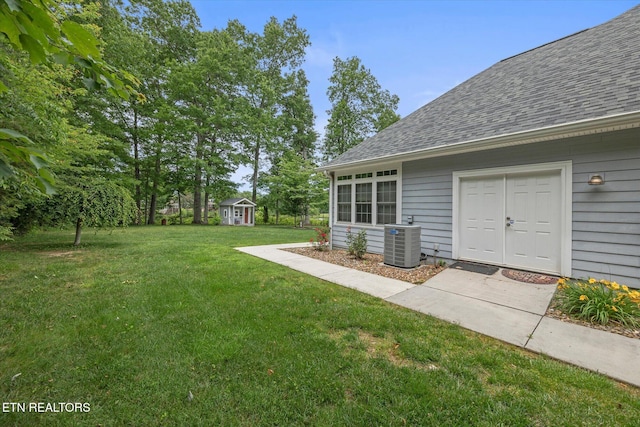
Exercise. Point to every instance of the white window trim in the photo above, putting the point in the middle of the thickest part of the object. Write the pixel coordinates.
(374, 193)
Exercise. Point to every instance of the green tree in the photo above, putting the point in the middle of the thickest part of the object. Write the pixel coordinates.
(297, 131)
(41, 29)
(100, 203)
(86, 195)
(294, 185)
(39, 96)
(209, 103)
(149, 37)
(277, 56)
(359, 107)
(296, 141)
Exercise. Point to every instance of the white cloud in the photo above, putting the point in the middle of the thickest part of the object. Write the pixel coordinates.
(319, 57)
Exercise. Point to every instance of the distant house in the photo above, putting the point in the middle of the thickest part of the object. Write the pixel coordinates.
(238, 211)
(533, 163)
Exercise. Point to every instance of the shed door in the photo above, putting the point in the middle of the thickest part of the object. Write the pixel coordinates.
(533, 206)
(512, 220)
(481, 214)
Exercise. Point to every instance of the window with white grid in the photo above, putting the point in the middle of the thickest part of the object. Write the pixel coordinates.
(344, 203)
(386, 202)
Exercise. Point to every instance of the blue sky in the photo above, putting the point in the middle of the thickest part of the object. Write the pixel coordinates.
(416, 49)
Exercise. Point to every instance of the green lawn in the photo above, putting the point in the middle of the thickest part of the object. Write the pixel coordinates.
(135, 321)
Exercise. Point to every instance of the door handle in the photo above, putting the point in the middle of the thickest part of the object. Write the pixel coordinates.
(509, 221)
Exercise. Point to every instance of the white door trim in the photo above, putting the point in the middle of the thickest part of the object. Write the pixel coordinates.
(566, 179)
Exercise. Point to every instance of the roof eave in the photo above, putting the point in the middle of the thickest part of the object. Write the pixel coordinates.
(566, 130)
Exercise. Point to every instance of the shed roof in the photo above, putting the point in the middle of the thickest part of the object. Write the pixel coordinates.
(236, 201)
(586, 76)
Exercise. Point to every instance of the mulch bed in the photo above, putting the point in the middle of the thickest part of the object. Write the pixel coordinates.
(529, 277)
(372, 263)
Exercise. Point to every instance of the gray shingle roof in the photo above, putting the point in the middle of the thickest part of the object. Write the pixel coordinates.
(591, 74)
(233, 201)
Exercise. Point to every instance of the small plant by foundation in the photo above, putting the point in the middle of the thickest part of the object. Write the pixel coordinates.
(357, 243)
(321, 241)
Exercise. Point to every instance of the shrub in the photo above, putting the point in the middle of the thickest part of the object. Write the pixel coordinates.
(321, 242)
(600, 301)
(319, 222)
(282, 220)
(187, 217)
(357, 244)
(215, 219)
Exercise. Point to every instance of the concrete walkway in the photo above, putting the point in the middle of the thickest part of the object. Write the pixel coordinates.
(493, 305)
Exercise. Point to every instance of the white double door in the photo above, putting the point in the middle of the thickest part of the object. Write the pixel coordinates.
(512, 220)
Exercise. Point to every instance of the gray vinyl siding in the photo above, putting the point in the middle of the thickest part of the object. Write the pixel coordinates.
(606, 219)
(427, 194)
(375, 237)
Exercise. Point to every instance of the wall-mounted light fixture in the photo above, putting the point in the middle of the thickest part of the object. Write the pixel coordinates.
(596, 179)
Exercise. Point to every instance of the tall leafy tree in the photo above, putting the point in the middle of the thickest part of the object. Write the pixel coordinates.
(38, 95)
(150, 37)
(86, 196)
(297, 131)
(359, 107)
(207, 93)
(33, 110)
(294, 152)
(42, 29)
(277, 55)
(294, 185)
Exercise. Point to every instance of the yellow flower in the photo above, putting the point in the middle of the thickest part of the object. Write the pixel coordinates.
(561, 281)
(583, 297)
(613, 307)
(625, 288)
(592, 281)
(615, 286)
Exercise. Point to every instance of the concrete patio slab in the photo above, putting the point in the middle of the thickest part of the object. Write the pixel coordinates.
(318, 268)
(505, 323)
(273, 252)
(496, 289)
(610, 354)
(368, 283)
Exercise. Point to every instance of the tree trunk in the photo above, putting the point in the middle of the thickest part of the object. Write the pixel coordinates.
(180, 207)
(154, 192)
(205, 217)
(78, 232)
(197, 202)
(254, 177)
(143, 217)
(197, 185)
(152, 208)
(136, 166)
(307, 219)
(265, 214)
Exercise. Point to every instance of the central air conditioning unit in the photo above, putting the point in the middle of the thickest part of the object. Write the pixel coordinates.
(402, 245)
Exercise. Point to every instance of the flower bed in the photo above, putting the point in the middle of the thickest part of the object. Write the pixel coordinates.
(600, 304)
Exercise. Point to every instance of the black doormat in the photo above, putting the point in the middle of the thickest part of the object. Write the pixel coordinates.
(475, 268)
